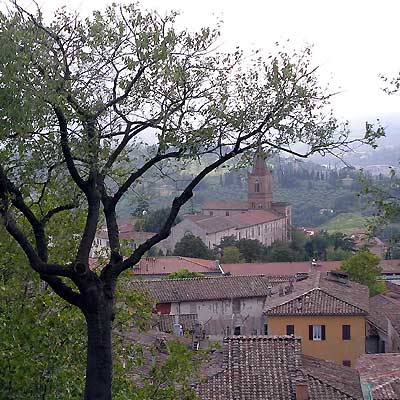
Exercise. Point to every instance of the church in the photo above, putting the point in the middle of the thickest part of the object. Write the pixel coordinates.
(257, 218)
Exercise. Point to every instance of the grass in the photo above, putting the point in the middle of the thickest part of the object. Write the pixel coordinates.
(345, 223)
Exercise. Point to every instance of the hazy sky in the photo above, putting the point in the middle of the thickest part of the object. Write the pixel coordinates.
(354, 41)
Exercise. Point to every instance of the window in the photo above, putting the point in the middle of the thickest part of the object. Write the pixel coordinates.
(228, 331)
(265, 329)
(211, 213)
(236, 331)
(259, 230)
(346, 332)
(289, 329)
(227, 213)
(316, 332)
(257, 186)
(236, 306)
(346, 363)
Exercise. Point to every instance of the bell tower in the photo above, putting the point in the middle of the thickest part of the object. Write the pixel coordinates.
(259, 184)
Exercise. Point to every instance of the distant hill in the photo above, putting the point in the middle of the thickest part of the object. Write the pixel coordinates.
(345, 222)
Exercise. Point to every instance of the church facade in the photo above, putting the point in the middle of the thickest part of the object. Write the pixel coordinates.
(257, 218)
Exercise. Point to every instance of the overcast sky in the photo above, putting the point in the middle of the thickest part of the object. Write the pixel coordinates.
(354, 40)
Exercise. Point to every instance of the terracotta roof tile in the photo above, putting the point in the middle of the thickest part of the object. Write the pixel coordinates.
(268, 367)
(207, 288)
(166, 322)
(169, 264)
(279, 268)
(382, 373)
(383, 307)
(241, 220)
(318, 295)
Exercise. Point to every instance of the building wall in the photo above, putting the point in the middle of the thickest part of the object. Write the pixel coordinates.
(334, 348)
(179, 231)
(220, 317)
(221, 213)
(393, 340)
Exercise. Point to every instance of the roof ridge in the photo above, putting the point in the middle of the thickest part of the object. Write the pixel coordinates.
(326, 291)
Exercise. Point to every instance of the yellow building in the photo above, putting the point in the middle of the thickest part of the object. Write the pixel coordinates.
(328, 312)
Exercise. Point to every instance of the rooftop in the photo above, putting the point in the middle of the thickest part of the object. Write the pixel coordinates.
(269, 367)
(169, 264)
(320, 295)
(384, 307)
(248, 218)
(382, 373)
(208, 288)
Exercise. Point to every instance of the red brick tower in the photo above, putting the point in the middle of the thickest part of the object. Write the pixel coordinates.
(259, 184)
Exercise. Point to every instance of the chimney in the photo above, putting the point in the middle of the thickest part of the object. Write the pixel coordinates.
(302, 391)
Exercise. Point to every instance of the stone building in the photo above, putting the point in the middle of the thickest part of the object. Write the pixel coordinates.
(224, 306)
(258, 218)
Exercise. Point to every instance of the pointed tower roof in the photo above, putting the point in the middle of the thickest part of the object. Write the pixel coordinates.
(259, 166)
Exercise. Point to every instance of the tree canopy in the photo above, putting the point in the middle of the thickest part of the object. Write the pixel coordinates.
(184, 274)
(192, 246)
(363, 267)
(78, 97)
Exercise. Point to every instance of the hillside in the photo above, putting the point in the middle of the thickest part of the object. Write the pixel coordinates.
(345, 222)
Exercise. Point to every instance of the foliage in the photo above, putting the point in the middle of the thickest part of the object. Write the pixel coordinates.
(154, 220)
(79, 94)
(232, 255)
(363, 267)
(337, 255)
(252, 250)
(183, 274)
(345, 222)
(170, 379)
(192, 246)
(283, 252)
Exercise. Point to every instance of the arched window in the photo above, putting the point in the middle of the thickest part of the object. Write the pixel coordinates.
(257, 186)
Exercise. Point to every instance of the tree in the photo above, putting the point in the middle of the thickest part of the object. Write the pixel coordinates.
(192, 246)
(184, 274)
(77, 97)
(232, 255)
(337, 255)
(252, 250)
(155, 220)
(283, 252)
(363, 267)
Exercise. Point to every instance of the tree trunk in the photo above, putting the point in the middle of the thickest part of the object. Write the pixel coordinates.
(99, 350)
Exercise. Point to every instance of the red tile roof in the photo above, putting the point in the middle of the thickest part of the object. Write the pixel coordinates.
(319, 295)
(384, 307)
(199, 289)
(242, 220)
(382, 373)
(268, 367)
(278, 268)
(169, 264)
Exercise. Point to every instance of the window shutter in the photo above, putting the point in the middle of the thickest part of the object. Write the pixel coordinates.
(346, 335)
(322, 332)
(310, 332)
(289, 329)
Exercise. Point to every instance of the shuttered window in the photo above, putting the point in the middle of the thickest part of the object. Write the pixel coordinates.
(316, 332)
(346, 333)
(289, 329)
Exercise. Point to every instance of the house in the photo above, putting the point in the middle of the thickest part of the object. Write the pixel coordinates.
(272, 367)
(383, 321)
(380, 376)
(258, 218)
(161, 267)
(328, 312)
(127, 233)
(229, 305)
